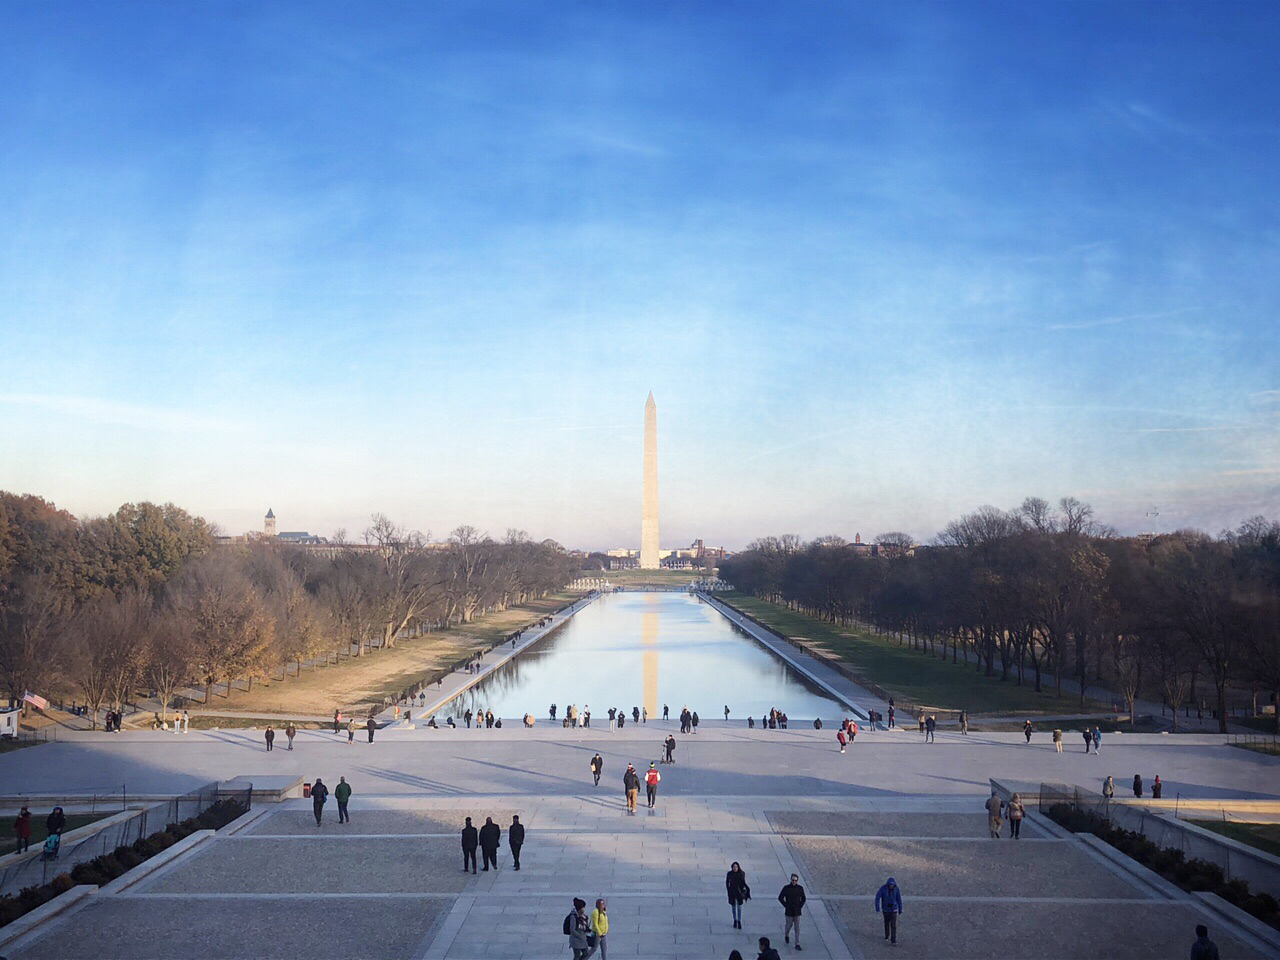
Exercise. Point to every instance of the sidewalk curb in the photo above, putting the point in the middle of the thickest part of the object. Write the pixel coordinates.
(161, 860)
(41, 915)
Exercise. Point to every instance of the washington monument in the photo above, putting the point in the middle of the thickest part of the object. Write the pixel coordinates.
(649, 559)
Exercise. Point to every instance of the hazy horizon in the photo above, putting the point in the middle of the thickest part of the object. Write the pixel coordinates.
(880, 264)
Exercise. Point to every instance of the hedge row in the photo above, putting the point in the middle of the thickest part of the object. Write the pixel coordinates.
(1190, 875)
(102, 870)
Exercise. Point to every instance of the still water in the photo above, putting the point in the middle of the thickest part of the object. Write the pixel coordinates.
(645, 650)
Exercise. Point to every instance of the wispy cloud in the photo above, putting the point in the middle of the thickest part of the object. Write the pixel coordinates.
(97, 410)
(1123, 318)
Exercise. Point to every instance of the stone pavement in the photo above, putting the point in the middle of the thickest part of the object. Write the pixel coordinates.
(390, 885)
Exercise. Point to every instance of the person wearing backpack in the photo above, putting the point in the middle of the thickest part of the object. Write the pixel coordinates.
(651, 785)
(577, 927)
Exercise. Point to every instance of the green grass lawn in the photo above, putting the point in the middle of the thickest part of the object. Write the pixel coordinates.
(909, 674)
(1269, 747)
(1261, 724)
(242, 723)
(8, 744)
(1263, 836)
(39, 833)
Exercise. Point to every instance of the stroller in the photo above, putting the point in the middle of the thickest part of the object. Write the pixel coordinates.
(52, 844)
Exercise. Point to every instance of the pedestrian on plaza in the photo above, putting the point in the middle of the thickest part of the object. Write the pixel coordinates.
(270, 737)
(889, 905)
(841, 738)
(578, 926)
(470, 843)
(994, 806)
(726, 713)
(891, 714)
(1016, 812)
(853, 731)
(631, 788)
(1157, 788)
(490, 838)
(964, 723)
(651, 779)
(515, 840)
(290, 732)
(767, 952)
(1137, 785)
(1108, 788)
(930, 727)
(600, 927)
(22, 830)
(597, 767)
(1203, 948)
(56, 822)
(751, 724)
(1057, 740)
(792, 899)
(319, 794)
(371, 725)
(735, 882)
(1088, 739)
(586, 716)
(1026, 730)
(921, 720)
(666, 712)
(1097, 739)
(684, 720)
(693, 720)
(186, 722)
(622, 719)
(671, 749)
(337, 720)
(553, 711)
(342, 793)
(635, 714)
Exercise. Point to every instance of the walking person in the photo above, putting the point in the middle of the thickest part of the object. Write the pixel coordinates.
(1088, 739)
(597, 764)
(371, 725)
(792, 899)
(1108, 788)
(889, 905)
(470, 843)
(930, 727)
(994, 806)
(1097, 739)
(319, 794)
(651, 779)
(270, 737)
(841, 738)
(1057, 740)
(1203, 948)
(766, 951)
(1157, 788)
(490, 838)
(726, 713)
(600, 928)
(735, 882)
(891, 715)
(290, 732)
(666, 712)
(693, 721)
(577, 925)
(337, 720)
(342, 793)
(55, 822)
(964, 722)
(351, 731)
(22, 830)
(515, 840)
(635, 714)
(671, 749)
(1026, 730)
(1137, 785)
(631, 788)
(1016, 812)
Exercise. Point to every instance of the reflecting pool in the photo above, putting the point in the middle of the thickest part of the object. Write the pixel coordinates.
(630, 650)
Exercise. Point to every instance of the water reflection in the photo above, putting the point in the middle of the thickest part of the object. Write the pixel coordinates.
(645, 650)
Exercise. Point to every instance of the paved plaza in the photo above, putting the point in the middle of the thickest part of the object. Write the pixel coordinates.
(390, 884)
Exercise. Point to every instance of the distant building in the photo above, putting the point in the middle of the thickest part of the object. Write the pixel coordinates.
(269, 524)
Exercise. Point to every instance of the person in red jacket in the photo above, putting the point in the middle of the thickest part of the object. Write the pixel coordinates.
(22, 830)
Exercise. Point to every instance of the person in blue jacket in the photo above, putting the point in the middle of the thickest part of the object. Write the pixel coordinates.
(889, 903)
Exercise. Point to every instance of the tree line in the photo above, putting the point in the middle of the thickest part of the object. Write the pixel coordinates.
(146, 597)
(1042, 590)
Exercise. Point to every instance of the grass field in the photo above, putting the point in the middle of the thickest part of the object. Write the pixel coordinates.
(8, 744)
(908, 674)
(244, 723)
(1263, 836)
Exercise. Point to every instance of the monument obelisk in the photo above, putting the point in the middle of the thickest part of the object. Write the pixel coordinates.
(649, 559)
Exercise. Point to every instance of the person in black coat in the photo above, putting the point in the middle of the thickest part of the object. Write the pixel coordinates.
(470, 841)
(319, 794)
(56, 822)
(792, 899)
(515, 839)
(371, 725)
(490, 837)
(735, 882)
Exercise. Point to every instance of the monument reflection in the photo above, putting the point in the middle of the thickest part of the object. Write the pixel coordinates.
(645, 650)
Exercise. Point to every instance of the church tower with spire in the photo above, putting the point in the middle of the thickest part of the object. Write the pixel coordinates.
(269, 524)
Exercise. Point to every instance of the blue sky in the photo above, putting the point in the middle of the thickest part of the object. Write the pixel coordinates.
(880, 263)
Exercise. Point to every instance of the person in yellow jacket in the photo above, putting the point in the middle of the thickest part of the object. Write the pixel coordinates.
(600, 927)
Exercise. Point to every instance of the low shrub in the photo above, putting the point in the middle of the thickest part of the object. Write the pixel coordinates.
(61, 883)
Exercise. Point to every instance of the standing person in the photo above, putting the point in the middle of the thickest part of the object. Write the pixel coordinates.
(726, 713)
(56, 822)
(600, 927)
(186, 722)
(515, 840)
(735, 882)
(792, 899)
(930, 726)
(891, 714)
(578, 926)
(319, 794)
(841, 738)
(1137, 785)
(597, 766)
(631, 788)
(351, 731)
(337, 720)
(1157, 788)
(1097, 739)
(466, 716)
(490, 838)
(1026, 730)
(1203, 948)
(767, 952)
(964, 722)
(666, 712)
(853, 731)
(1088, 739)
(889, 905)
(671, 749)
(290, 732)
(1016, 812)
(342, 793)
(1057, 740)
(651, 779)
(270, 737)
(553, 711)
(470, 842)
(22, 830)
(693, 720)
(635, 714)
(371, 725)
(644, 714)
(994, 823)
(1108, 788)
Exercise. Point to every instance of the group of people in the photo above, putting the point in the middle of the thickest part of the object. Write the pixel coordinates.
(320, 795)
(483, 718)
(847, 733)
(55, 824)
(689, 720)
(998, 809)
(487, 840)
(1157, 787)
